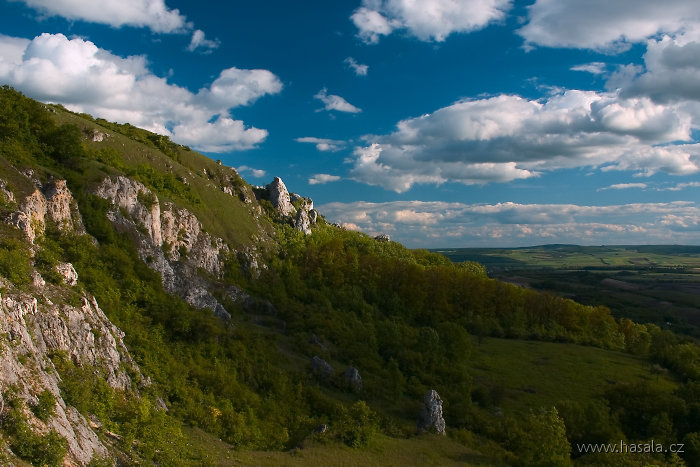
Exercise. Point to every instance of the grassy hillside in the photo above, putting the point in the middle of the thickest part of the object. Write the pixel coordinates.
(518, 370)
(551, 373)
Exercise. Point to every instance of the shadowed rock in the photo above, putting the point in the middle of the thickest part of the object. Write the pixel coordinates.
(321, 367)
(353, 379)
(431, 415)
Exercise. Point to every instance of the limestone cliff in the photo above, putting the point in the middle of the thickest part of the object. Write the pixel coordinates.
(53, 202)
(38, 321)
(298, 210)
(33, 327)
(169, 239)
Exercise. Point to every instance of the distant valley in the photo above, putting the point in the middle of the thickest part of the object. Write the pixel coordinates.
(646, 283)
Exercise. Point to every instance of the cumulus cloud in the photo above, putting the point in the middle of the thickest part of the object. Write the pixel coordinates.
(438, 223)
(323, 144)
(358, 68)
(257, 173)
(320, 179)
(671, 71)
(427, 20)
(236, 87)
(506, 137)
(153, 14)
(85, 78)
(222, 135)
(199, 41)
(605, 25)
(333, 102)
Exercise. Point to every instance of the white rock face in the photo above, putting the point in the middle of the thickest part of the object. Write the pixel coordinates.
(68, 273)
(55, 203)
(279, 197)
(302, 222)
(35, 329)
(128, 195)
(30, 217)
(60, 205)
(175, 244)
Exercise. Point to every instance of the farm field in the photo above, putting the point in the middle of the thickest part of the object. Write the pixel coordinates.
(649, 283)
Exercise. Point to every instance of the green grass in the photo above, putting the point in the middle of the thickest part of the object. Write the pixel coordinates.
(539, 374)
(221, 215)
(384, 451)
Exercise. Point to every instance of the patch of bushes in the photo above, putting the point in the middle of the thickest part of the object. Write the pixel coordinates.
(45, 407)
(15, 263)
(45, 450)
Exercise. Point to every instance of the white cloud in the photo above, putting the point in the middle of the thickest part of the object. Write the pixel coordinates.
(222, 135)
(603, 24)
(323, 144)
(594, 68)
(682, 186)
(199, 41)
(12, 49)
(358, 68)
(672, 71)
(505, 138)
(320, 179)
(372, 24)
(333, 102)
(85, 78)
(153, 14)
(624, 186)
(235, 87)
(441, 224)
(427, 20)
(257, 173)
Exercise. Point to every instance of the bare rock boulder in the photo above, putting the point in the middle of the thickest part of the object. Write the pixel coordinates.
(321, 367)
(353, 379)
(431, 419)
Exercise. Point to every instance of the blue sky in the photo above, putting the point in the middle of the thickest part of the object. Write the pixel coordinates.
(443, 123)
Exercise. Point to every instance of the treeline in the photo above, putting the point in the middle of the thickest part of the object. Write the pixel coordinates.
(352, 272)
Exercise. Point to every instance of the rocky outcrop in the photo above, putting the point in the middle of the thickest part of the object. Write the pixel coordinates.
(431, 415)
(199, 297)
(60, 206)
(137, 201)
(321, 368)
(383, 238)
(302, 222)
(279, 197)
(352, 378)
(296, 209)
(6, 196)
(31, 330)
(67, 273)
(30, 217)
(54, 203)
(97, 136)
(169, 239)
